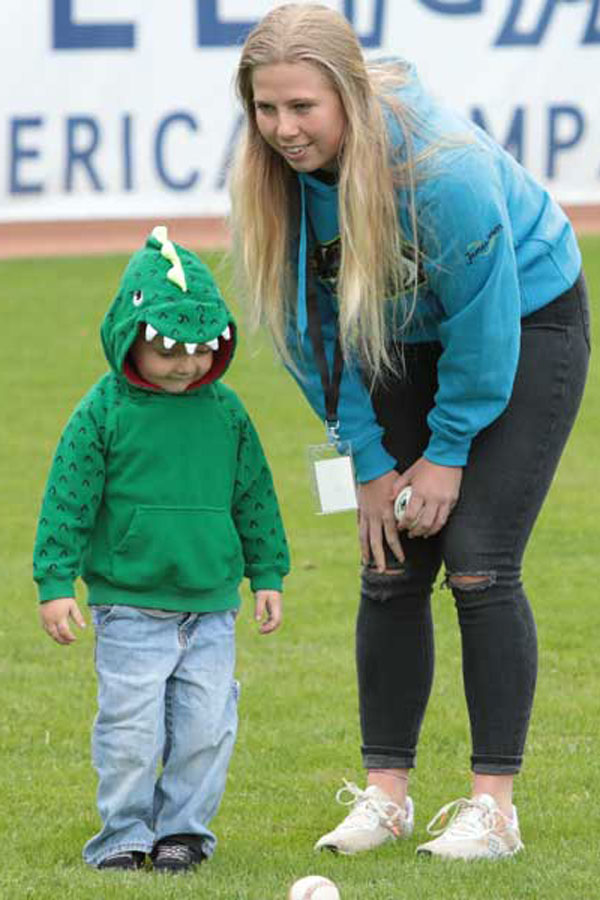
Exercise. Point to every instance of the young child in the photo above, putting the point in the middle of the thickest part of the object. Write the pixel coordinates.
(160, 497)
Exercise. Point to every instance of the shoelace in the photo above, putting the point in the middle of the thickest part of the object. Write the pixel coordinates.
(466, 818)
(368, 810)
(174, 851)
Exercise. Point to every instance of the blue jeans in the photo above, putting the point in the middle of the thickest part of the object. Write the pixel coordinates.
(510, 469)
(166, 694)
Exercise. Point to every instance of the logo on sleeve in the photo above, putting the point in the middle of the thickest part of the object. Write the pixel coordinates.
(485, 247)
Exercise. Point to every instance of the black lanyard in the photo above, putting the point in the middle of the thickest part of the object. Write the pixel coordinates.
(331, 386)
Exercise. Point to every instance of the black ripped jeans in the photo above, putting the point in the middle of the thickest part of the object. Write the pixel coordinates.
(510, 468)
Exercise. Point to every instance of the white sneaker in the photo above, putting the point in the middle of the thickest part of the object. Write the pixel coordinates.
(473, 829)
(373, 820)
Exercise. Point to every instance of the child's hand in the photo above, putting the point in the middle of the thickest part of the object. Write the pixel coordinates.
(55, 616)
(267, 610)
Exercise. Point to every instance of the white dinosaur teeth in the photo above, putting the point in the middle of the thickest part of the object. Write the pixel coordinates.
(168, 342)
(150, 332)
(214, 344)
(226, 333)
(190, 349)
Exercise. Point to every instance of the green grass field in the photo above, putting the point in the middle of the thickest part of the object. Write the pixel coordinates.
(299, 733)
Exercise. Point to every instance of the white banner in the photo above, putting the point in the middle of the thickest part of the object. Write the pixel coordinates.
(125, 108)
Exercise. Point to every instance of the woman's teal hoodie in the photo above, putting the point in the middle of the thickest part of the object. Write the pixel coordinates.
(155, 499)
(494, 248)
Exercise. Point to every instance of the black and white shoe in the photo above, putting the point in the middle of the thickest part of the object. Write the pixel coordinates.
(173, 856)
(128, 859)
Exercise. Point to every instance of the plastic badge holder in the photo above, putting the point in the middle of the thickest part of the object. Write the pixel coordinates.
(332, 478)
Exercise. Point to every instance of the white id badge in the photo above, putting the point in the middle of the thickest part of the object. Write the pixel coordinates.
(332, 477)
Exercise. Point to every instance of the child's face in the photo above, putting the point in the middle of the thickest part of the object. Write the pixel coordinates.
(174, 369)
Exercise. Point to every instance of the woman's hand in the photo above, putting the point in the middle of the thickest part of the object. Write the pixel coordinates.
(435, 491)
(376, 518)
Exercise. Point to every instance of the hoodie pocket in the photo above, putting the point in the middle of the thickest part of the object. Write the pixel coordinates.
(194, 548)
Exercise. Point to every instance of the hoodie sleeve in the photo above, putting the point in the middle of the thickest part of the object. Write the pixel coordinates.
(71, 499)
(256, 512)
(471, 267)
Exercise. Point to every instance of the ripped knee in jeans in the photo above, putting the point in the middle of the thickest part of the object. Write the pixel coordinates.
(469, 581)
(382, 586)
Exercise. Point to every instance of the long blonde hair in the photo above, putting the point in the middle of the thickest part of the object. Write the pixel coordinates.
(373, 264)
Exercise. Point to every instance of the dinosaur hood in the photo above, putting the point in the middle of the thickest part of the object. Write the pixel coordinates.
(167, 290)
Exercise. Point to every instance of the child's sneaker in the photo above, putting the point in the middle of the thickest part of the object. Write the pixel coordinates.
(473, 829)
(172, 856)
(373, 820)
(128, 859)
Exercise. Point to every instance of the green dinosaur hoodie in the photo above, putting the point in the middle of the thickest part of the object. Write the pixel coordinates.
(157, 499)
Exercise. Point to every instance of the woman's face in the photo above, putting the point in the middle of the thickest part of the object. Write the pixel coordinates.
(299, 114)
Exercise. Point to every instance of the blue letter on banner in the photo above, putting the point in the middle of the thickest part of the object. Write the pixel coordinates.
(509, 36)
(214, 33)
(183, 184)
(127, 155)
(554, 144)
(592, 32)
(372, 38)
(69, 35)
(18, 153)
(81, 156)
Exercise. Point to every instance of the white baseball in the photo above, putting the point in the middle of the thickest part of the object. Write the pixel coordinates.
(313, 887)
(401, 503)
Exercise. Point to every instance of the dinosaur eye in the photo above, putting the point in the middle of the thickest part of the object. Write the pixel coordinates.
(138, 298)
